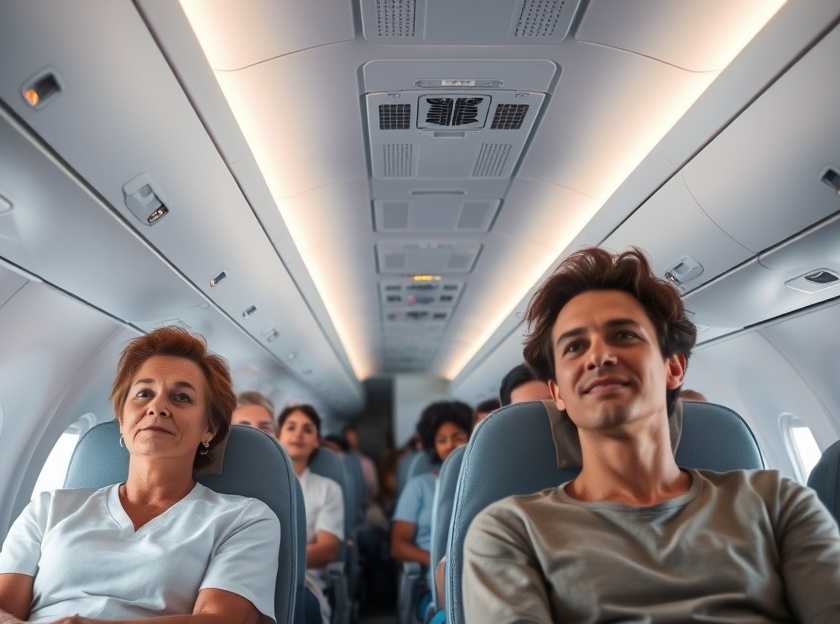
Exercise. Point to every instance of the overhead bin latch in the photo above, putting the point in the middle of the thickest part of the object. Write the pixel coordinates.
(684, 271)
(145, 200)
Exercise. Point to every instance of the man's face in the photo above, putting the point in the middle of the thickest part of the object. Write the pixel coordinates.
(254, 416)
(535, 390)
(608, 369)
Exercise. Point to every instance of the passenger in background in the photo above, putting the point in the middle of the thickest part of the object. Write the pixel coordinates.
(299, 432)
(520, 385)
(336, 443)
(255, 410)
(634, 535)
(368, 467)
(692, 395)
(159, 544)
(484, 409)
(443, 427)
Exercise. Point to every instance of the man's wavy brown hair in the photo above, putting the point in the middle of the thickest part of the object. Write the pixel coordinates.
(177, 342)
(596, 269)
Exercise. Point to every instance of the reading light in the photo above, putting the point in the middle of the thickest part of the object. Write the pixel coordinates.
(425, 278)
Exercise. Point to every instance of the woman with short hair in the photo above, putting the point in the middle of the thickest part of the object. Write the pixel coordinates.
(299, 432)
(159, 544)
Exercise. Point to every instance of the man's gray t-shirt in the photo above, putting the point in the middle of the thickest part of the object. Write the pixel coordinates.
(742, 546)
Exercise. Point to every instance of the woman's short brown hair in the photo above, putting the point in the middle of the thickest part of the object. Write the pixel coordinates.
(177, 342)
(596, 269)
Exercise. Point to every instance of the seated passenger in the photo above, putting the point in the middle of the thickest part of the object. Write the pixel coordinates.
(159, 544)
(254, 410)
(521, 385)
(634, 536)
(443, 427)
(299, 431)
(484, 409)
(368, 467)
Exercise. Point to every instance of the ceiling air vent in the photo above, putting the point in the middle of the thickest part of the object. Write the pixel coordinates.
(492, 160)
(464, 112)
(395, 116)
(509, 116)
(539, 18)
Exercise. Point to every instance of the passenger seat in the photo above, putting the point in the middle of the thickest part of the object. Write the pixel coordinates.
(825, 479)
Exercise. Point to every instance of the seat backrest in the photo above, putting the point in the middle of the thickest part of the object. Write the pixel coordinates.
(442, 511)
(421, 464)
(705, 435)
(359, 487)
(99, 461)
(825, 479)
(328, 464)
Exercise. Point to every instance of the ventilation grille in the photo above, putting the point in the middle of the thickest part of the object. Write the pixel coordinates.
(395, 18)
(440, 111)
(398, 160)
(508, 116)
(464, 112)
(396, 116)
(539, 18)
(492, 160)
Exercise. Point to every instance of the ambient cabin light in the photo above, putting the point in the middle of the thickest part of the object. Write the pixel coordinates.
(425, 278)
(670, 112)
(32, 97)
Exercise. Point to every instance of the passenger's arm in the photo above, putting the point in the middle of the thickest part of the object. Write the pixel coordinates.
(15, 597)
(502, 580)
(403, 547)
(324, 550)
(440, 581)
(809, 546)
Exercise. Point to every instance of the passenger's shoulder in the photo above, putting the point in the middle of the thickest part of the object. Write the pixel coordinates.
(761, 481)
(520, 508)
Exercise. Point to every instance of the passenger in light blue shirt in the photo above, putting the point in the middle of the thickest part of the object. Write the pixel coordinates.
(443, 427)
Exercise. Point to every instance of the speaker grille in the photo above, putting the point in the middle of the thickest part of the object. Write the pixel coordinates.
(492, 160)
(395, 18)
(538, 18)
(398, 160)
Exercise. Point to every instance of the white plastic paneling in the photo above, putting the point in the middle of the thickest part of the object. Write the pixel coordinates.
(514, 74)
(747, 374)
(427, 257)
(10, 283)
(210, 227)
(237, 34)
(435, 213)
(467, 22)
(670, 226)
(688, 33)
(760, 179)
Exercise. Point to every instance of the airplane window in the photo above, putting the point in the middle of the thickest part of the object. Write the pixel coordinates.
(802, 446)
(55, 468)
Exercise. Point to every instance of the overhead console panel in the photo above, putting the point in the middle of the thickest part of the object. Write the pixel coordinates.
(465, 22)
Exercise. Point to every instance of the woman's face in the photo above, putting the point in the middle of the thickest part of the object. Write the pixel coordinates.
(165, 413)
(298, 436)
(448, 437)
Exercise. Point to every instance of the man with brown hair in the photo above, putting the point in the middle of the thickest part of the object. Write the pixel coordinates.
(634, 537)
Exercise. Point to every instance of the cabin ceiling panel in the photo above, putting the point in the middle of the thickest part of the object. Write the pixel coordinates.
(672, 32)
(470, 22)
(599, 123)
(303, 121)
(793, 132)
(672, 230)
(110, 135)
(245, 33)
(10, 284)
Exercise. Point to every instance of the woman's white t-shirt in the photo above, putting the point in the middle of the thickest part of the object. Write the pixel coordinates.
(85, 556)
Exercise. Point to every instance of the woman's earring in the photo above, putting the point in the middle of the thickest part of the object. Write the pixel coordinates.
(122, 442)
(205, 450)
